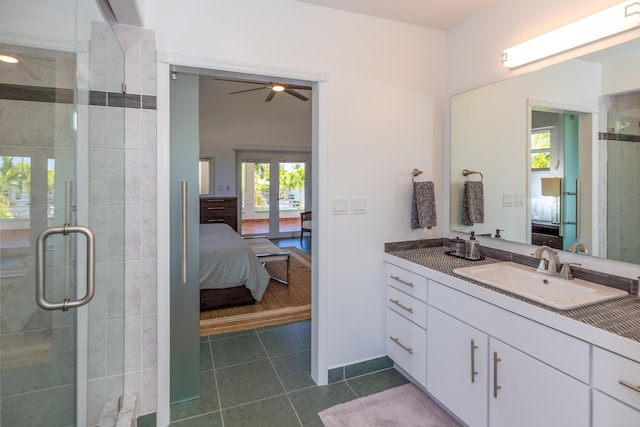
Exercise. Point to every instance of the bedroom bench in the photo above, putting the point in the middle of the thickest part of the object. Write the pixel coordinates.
(267, 252)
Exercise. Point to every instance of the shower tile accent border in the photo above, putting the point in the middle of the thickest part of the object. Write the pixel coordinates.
(15, 92)
(66, 96)
(608, 136)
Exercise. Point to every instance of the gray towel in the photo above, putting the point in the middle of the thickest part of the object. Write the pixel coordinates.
(472, 203)
(423, 205)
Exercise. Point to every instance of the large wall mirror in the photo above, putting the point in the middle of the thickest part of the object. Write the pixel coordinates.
(558, 154)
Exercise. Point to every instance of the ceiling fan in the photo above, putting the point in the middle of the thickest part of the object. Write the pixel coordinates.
(275, 88)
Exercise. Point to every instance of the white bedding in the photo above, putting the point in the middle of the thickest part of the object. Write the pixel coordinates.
(227, 261)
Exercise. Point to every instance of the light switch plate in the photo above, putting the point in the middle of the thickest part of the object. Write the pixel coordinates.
(519, 199)
(358, 205)
(339, 206)
(507, 199)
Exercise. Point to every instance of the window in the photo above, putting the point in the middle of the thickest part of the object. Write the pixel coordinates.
(541, 150)
(274, 189)
(206, 175)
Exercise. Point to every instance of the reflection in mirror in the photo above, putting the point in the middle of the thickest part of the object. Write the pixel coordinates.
(561, 170)
(558, 150)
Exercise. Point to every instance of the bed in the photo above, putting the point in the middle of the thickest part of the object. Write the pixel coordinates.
(230, 272)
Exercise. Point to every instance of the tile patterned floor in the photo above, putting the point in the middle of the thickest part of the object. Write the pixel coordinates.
(261, 377)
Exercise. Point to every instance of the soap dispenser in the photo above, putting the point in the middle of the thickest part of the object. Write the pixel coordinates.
(472, 247)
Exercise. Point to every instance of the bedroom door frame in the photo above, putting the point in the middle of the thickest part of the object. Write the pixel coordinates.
(320, 200)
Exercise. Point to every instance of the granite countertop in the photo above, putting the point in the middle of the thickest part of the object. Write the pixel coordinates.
(621, 316)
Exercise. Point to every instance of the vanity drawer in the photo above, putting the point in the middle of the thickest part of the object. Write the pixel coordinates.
(408, 282)
(610, 374)
(407, 306)
(407, 346)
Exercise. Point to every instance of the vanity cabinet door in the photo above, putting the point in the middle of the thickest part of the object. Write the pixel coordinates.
(407, 346)
(608, 412)
(457, 367)
(526, 392)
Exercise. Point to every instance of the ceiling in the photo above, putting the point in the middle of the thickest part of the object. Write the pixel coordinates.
(438, 14)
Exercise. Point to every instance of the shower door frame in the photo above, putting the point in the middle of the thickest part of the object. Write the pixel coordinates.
(97, 384)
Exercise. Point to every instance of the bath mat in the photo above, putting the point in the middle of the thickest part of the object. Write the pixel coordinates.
(404, 406)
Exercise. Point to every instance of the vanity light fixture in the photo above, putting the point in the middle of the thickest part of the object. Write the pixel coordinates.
(8, 59)
(614, 20)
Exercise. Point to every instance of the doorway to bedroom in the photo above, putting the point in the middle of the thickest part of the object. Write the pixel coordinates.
(260, 141)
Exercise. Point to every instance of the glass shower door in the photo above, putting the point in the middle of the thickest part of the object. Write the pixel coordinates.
(59, 366)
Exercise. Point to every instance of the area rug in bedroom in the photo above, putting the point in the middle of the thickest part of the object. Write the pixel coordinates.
(404, 406)
(280, 303)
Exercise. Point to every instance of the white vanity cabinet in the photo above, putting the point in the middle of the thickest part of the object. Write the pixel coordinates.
(407, 321)
(525, 392)
(481, 378)
(489, 366)
(457, 367)
(616, 398)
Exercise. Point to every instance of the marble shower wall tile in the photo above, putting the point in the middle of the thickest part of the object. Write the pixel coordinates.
(133, 128)
(98, 58)
(149, 342)
(139, 199)
(133, 343)
(148, 179)
(149, 288)
(133, 167)
(133, 232)
(97, 358)
(149, 118)
(149, 391)
(133, 291)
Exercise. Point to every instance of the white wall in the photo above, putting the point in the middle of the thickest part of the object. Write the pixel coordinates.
(621, 76)
(384, 103)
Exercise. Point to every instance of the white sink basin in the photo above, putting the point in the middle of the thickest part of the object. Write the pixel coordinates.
(552, 291)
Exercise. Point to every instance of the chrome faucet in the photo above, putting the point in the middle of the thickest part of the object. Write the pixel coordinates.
(579, 246)
(549, 265)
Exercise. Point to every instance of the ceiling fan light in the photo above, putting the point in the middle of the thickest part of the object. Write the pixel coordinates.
(277, 88)
(8, 59)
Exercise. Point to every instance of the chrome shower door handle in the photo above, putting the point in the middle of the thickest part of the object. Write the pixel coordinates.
(68, 303)
(183, 231)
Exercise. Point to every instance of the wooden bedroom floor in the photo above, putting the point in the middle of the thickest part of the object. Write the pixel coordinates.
(280, 303)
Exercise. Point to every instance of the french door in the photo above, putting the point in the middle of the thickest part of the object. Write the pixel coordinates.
(275, 189)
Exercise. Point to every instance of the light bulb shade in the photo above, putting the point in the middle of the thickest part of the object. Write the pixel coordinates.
(551, 186)
(8, 59)
(277, 88)
(616, 19)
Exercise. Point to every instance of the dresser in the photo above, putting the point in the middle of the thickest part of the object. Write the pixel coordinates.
(219, 209)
